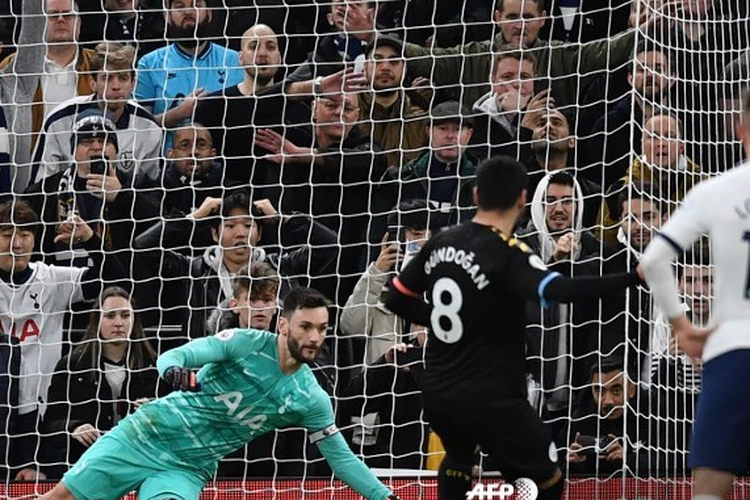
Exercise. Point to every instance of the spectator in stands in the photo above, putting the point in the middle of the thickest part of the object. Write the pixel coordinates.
(63, 72)
(108, 375)
(353, 25)
(66, 64)
(506, 114)
(193, 171)
(619, 132)
(558, 340)
(93, 188)
(329, 173)
(254, 301)
(139, 135)
(234, 113)
(202, 283)
(586, 20)
(172, 78)
(364, 314)
(18, 83)
(662, 164)
(553, 149)
(37, 322)
(613, 432)
(728, 114)
(136, 22)
(443, 177)
(519, 21)
(394, 121)
(641, 214)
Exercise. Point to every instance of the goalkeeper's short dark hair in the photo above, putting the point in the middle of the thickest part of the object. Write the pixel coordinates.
(302, 298)
(500, 181)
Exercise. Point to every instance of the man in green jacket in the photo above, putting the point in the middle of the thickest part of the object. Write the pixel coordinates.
(519, 23)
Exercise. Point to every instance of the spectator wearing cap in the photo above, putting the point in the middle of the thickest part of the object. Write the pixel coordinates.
(92, 188)
(139, 135)
(443, 176)
(388, 114)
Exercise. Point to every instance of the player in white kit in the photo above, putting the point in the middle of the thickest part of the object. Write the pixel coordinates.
(720, 446)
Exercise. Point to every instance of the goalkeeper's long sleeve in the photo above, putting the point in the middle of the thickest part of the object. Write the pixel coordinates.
(350, 469)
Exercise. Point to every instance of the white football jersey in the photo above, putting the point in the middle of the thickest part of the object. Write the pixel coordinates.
(720, 208)
(34, 313)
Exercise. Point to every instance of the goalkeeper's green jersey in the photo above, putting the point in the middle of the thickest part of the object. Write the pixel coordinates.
(244, 394)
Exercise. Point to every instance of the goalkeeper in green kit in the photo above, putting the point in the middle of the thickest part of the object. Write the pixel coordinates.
(249, 383)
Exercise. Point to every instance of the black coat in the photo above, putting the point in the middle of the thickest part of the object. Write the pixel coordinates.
(10, 366)
(79, 395)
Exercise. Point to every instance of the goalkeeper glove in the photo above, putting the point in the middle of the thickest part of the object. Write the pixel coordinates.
(182, 379)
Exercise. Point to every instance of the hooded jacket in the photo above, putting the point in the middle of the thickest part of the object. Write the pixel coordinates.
(555, 334)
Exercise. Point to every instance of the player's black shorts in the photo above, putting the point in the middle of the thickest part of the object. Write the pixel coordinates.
(510, 432)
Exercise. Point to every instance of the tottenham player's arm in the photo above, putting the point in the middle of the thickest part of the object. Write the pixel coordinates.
(175, 366)
(344, 463)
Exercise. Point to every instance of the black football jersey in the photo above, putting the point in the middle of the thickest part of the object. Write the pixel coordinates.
(478, 281)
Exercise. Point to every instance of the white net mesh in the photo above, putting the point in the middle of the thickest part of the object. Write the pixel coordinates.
(149, 161)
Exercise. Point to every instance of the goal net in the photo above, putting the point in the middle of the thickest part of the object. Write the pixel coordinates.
(205, 157)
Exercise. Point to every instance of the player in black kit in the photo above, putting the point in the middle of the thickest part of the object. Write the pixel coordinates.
(477, 278)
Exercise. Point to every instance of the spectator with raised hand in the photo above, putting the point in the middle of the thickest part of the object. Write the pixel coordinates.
(559, 338)
(353, 26)
(172, 78)
(139, 135)
(109, 374)
(519, 22)
(329, 173)
(18, 85)
(91, 187)
(198, 285)
(554, 148)
(364, 315)
(505, 116)
(233, 114)
(64, 71)
(37, 323)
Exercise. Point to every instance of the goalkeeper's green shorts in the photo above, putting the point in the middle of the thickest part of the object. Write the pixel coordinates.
(112, 468)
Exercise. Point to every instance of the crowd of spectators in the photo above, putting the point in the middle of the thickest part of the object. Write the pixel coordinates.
(166, 175)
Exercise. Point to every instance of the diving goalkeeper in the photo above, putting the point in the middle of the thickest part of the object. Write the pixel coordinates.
(249, 383)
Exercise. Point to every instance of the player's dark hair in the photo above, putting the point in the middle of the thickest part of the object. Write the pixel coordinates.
(411, 214)
(139, 355)
(261, 282)
(562, 178)
(608, 365)
(500, 181)
(302, 298)
(18, 213)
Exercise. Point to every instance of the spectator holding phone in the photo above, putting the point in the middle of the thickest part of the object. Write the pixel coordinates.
(92, 188)
(609, 430)
(364, 313)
